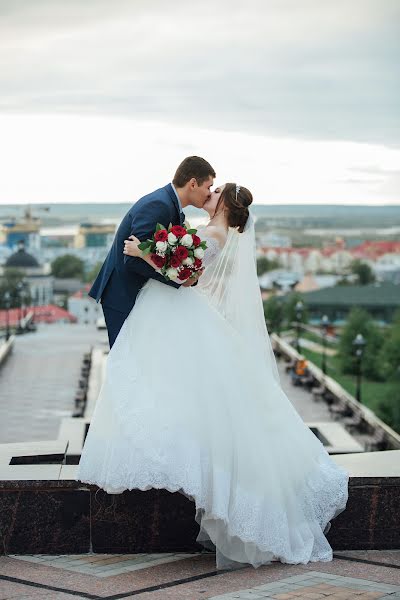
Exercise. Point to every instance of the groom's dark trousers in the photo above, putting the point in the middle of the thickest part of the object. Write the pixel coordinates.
(121, 277)
(114, 320)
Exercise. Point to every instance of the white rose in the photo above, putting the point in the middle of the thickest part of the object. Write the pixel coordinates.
(199, 253)
(171, 273)
(172, 239)
(161, 246)
(187, 240)
(188, 262)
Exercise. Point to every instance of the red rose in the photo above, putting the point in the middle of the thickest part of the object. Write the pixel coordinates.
(196, 240)
(198, 263)
(181, 252)
(178, 231)
(159, 261)
(161, 235)
(184, 274)
(175, 262)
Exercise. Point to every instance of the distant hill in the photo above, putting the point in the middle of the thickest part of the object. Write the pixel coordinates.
(288, 215)
(328, 216)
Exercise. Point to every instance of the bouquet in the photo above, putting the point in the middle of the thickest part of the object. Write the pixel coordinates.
(177, 252)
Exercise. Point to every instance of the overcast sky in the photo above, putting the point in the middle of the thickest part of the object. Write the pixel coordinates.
(296, 99)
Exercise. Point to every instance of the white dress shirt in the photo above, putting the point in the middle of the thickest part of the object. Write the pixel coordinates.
(179, 200)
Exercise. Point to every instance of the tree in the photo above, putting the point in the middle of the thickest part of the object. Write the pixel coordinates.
(388, 408)
(265, 264)
(273, 313)
(67, 266)
(92, 274)
(363, 271)
(359, 321)
(343, 281)
(290, 311)
(11, 283)
(389, 356)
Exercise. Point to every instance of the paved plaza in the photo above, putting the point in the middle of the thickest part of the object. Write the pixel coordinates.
(39, 379)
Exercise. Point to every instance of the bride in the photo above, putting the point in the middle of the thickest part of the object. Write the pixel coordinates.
(192, 402)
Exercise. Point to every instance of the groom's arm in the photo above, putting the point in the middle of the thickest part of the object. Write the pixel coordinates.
(143, 226)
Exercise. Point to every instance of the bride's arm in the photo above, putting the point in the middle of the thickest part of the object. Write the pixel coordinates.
(131, 248)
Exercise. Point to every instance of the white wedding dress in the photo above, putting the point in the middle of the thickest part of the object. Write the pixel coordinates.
(187, 406)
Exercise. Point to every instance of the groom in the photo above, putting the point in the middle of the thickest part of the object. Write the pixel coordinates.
(121, 277)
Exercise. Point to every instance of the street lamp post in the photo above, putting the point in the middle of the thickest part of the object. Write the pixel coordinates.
(359, 343)
(7, 302)
(27, 296)
(20, 291)
(324, 327)
(299, 314)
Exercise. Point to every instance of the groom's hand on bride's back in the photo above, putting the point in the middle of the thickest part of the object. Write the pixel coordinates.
(193, 280)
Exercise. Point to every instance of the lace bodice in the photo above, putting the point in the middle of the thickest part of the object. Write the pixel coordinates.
(213, 248)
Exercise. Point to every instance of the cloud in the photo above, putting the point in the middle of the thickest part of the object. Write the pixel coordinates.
(308, 70)
(102, 159)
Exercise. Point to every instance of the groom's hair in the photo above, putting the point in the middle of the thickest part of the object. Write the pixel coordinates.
(192, 166)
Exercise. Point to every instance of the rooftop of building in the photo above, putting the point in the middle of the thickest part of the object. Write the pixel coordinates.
(376, 294)
(21, 259)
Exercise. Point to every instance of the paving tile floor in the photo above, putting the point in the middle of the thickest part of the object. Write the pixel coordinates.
(104, 565)
(358, 575)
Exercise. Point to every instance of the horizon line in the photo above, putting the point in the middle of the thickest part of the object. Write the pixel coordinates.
(280, 204)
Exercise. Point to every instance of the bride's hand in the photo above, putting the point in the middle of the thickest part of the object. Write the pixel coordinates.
(192, 280)
(131, 246)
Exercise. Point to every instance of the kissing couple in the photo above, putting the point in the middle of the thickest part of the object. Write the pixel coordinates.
(191, 400)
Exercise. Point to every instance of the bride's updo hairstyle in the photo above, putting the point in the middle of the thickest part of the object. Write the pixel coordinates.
(236, 200)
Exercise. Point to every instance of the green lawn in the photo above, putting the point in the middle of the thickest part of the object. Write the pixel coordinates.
(308, 335)
(372, 392)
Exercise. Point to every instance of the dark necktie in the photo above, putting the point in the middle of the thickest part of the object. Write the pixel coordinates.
(182, 217)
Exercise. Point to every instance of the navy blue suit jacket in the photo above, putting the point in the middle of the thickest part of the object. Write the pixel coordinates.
(121, 277)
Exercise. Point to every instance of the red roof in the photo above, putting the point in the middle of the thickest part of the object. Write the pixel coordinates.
(49, 313)
(367, 250)
(375, 249)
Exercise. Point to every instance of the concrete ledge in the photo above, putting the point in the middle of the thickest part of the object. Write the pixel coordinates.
(377, 465)
(96, 376)
(46, 452)
(335, 437)
(6, 349)
(73, 430)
